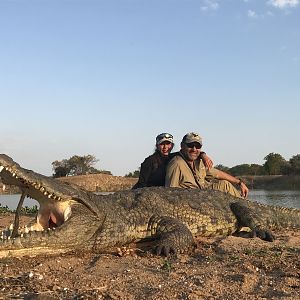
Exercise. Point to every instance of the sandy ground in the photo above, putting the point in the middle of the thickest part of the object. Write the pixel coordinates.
(223, 268)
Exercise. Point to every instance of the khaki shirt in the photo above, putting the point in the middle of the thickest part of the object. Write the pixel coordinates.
(179, 174)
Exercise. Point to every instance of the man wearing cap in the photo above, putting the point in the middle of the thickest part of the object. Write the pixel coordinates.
(186, 170)
(153, 169)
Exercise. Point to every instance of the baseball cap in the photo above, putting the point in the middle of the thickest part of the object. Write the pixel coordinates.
(164, 137)
(192, 137)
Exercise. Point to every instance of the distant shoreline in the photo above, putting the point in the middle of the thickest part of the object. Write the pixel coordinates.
(273, 182)
(109, 183)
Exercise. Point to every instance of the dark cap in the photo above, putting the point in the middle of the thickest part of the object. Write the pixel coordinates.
(192, 137)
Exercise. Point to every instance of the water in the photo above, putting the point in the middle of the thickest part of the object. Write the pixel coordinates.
(282, 198)
(11, 201)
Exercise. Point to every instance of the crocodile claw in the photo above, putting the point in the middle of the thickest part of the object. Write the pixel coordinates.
(165, 250)
(264, 234)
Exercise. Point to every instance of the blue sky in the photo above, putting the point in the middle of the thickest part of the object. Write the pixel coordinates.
(105, 77)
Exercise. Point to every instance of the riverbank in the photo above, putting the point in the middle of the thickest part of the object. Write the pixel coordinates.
(275, 182)
(91, 182)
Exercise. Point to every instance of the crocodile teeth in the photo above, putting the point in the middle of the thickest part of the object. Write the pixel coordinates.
(3, 187)
(36, 186)
(1, 168)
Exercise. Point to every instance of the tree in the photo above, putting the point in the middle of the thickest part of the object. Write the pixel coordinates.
(81, 165)
(295, 164)
(61, 168)
(75, 165)
(246, 169)
(243, 169)
(60, 171)
(222, 168)
(135, 174)
(286, 168)
(255, 169)
(274, 164)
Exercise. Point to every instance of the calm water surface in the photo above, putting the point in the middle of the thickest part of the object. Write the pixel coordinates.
(282, 198)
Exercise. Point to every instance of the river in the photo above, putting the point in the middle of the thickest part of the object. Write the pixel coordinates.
(282, 198)
(287, 198)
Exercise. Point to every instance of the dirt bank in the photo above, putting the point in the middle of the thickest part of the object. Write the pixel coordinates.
(225, 268)
(94, 183)
(101, 182)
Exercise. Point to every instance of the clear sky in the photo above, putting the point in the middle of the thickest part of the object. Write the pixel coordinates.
(104, 77)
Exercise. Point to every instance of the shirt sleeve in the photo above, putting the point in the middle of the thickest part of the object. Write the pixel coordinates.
(212, 173)
(173, 174)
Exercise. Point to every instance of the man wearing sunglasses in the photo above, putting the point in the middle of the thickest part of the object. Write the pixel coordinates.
(186, 170)
(153, 169)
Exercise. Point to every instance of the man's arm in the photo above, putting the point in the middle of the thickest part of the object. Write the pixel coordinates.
(235, 181)
(208, 163)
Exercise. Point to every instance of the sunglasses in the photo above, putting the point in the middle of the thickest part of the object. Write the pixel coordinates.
(192, 145)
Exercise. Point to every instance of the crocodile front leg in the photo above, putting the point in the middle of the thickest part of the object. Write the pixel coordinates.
(173, 237)
(248, 218)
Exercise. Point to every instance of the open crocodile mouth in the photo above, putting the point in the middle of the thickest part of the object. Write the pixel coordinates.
(65, 221)
(54, 210)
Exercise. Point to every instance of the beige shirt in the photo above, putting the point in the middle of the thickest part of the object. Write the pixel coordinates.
(179, 174)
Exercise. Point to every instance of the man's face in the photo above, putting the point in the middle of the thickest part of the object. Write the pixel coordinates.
(191, 151)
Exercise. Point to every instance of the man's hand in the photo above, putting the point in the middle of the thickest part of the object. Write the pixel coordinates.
(244, 189)
(208, 163)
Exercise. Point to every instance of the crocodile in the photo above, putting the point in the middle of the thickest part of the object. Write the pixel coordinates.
(73, 219)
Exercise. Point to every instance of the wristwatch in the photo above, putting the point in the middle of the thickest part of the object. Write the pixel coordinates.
(240, 181)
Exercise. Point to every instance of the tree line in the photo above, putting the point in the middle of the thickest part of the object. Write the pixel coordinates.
(275, 164)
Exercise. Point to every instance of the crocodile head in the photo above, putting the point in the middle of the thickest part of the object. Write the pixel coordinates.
(67, 218)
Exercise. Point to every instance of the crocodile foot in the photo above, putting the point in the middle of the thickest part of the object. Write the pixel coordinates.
(173, 237)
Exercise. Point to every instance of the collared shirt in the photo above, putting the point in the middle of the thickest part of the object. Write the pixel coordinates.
(180, 174)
